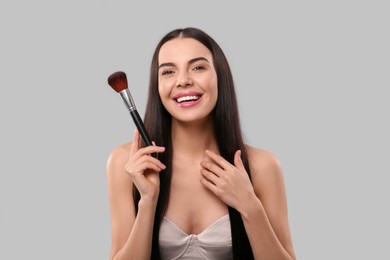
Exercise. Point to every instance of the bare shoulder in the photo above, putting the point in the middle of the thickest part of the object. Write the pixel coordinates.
(266, 174)
(117, 160)
(119, 154)
(268, 184)
(262, 162)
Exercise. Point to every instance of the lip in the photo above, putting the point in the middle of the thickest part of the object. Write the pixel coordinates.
(188, 93)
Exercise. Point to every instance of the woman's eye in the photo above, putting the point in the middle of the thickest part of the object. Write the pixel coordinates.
(167, 72)
(198, 68)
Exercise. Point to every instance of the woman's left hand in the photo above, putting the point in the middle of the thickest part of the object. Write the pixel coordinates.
(228, 182)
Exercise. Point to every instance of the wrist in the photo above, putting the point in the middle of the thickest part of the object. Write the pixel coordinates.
(148, 201)
(151, 196)
(251, 206)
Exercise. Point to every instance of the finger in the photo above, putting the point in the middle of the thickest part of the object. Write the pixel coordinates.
(149, 166)
(209, 185)
(238, 161)
(151, 160)
(135, 143)
(212, 167)
(141, 167)
(155, 161)
(151, 149)
(218, 159)
(210, 176)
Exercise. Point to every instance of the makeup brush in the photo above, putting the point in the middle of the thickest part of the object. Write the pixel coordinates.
(118, 81)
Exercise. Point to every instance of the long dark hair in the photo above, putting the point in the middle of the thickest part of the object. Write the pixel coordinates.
(227, 131)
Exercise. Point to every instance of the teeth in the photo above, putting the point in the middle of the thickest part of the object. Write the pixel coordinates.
(187, 98)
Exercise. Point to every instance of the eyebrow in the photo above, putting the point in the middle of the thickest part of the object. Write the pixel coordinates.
(189, 62)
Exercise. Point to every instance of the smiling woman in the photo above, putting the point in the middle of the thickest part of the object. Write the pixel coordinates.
(187, 79)
(208, 195)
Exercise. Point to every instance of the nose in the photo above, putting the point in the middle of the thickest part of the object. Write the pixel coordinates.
(184, 79)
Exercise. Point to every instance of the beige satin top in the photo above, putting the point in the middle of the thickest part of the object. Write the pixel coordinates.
(214, 243)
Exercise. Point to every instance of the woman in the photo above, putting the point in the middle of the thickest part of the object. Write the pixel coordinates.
(207, 195)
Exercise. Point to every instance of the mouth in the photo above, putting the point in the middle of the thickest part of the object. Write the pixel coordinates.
(187, 98)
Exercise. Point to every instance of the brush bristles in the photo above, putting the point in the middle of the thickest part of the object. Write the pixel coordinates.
(118, 81)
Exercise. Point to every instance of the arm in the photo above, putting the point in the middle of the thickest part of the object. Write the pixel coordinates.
(131, 233)
(265, 216)
(262, 203)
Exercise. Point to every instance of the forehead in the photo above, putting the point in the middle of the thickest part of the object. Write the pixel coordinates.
(181, 50)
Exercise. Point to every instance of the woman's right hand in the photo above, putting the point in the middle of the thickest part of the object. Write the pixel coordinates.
(144, 169)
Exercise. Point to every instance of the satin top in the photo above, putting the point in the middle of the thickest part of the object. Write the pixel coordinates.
(213, 243)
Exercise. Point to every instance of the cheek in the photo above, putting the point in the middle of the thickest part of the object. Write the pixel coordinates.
(214, 89)
(215, 97)
(164, 94)
(165, 86)
(162, 90)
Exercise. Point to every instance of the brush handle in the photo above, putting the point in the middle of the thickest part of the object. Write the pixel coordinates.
(141, 128)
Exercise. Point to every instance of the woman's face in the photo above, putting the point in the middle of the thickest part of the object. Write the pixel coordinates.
(187, 81)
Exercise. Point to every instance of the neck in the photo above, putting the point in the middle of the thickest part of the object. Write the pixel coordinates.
(193, 138)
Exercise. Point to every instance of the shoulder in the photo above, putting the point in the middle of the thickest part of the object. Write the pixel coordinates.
(119, 154)
(269, 187)
(262, 162)
(266, 172)
(117, 160)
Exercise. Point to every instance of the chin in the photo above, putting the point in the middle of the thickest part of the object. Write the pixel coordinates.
(192, 119)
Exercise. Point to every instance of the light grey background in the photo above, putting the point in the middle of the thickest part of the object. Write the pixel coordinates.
(312, 80)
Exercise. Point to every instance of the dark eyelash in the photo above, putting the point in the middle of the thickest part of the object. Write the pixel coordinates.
(199, 67)
(166, 72)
